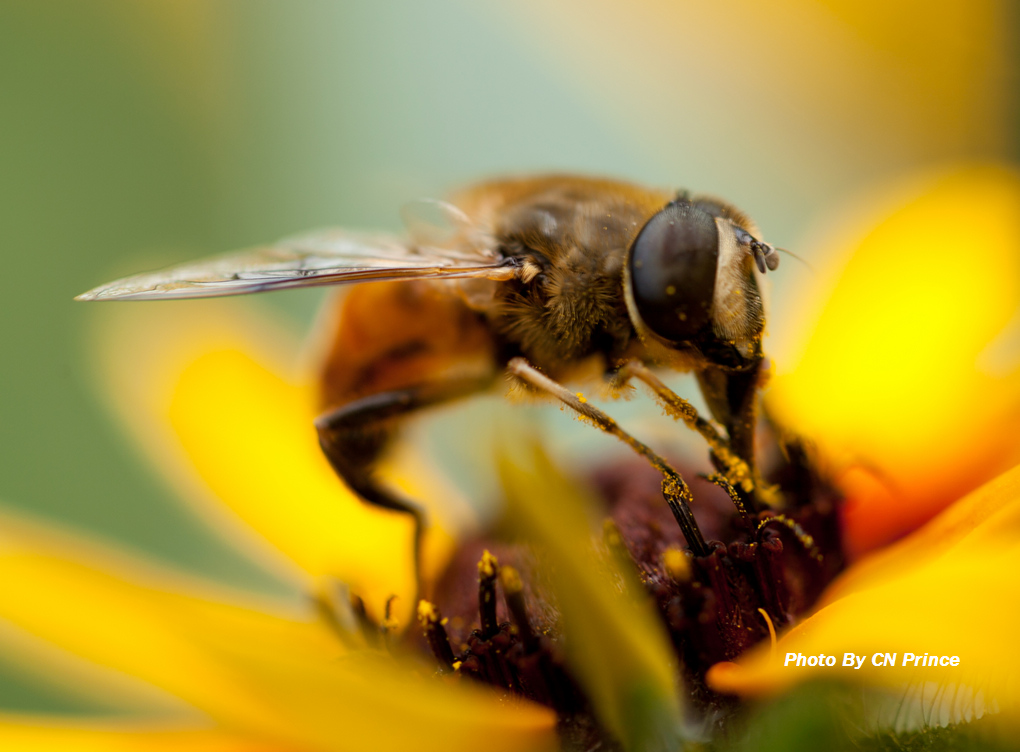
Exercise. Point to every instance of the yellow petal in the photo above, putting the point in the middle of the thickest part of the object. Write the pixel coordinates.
(251, 665)
(250, 436)
(142, 623)
(82, 686)
(30, 734)
(897, 379)
(209, 390)
(364, 704)
(989, 516)
(961, 599)
(614, 643)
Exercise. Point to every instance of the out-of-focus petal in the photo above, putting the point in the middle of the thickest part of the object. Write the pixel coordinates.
(900, 383)
(140, 622)
(249, 433)
(950, 590)
(989, 516)
(40, 734)
(82, 686)
(272, 673)
(865, 92)
(211, 394)
(614, 644)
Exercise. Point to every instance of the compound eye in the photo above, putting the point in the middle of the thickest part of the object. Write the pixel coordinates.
(672, 267)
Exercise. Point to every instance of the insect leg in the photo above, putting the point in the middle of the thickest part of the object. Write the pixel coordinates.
(735, 469)
(732, 396)
(353, 436)
(674, 489)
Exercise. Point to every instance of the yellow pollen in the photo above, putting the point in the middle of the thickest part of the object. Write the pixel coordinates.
(511, 580)
(772, 629)
(457, 665)
(611, 532)
(677, 566)
(427, 613)
(487, 565)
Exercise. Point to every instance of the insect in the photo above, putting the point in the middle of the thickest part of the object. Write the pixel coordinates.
(534, 276)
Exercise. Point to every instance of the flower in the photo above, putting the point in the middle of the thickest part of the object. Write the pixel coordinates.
(208, 397)
(948, 591)
(909, 380)
(177, 660)
(186, 662)
(910, 386)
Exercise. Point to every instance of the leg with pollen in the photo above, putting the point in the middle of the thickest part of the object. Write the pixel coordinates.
(735, 469)
(674, 489)
(732, 396)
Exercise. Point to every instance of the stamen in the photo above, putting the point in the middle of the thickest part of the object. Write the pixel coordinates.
(366, 626)
(772, 629)
(389, 621)
(677, 565)
(333, 603)
(488, 570)
(674, 489)
(513, 593)
(390, 626)
(678, 497)
(805, 540)
(435, 634)
(725, 485)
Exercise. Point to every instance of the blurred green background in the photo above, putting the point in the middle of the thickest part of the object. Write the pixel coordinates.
(135, 134)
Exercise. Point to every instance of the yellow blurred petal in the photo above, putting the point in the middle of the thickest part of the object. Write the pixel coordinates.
(142, 622)
(209, 391)
(98, 689)
(357, 705)
(952, 591)
(871, 83)
(989, 516)
(29, 734)
(613, 641)
(250, 435)
(268, 672)
(892, 379)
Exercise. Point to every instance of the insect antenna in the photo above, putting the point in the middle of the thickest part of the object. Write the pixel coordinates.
(793, 255)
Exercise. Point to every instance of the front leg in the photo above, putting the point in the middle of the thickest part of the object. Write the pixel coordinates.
(675, 491)
(732, 396)
(735, 470)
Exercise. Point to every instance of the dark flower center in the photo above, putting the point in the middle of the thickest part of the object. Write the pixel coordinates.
(493, 619)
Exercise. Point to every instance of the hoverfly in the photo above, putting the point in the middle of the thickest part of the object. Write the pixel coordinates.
(536, 276)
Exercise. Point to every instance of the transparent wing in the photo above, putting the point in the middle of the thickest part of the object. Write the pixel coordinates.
(325, 257)
(432, 222)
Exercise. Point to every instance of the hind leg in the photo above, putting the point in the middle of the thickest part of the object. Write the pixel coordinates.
(354, 435)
